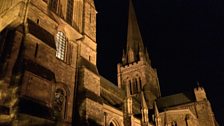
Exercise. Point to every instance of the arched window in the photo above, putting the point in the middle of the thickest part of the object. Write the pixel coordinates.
(60, 45)
(69, 13)
(130, 87)
(135, 86)
(112, 124)
(54, 5)
(140, 84)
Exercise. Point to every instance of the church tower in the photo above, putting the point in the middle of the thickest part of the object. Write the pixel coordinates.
(136, 71)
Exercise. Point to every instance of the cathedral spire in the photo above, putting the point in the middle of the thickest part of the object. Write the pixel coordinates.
(135, 47)
(124, 58)
(147, 56)
(144, 110)
(156, 111)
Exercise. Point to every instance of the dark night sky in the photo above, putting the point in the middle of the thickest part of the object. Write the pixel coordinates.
(184, 38)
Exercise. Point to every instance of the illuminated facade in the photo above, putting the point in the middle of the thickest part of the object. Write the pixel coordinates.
(48, 73)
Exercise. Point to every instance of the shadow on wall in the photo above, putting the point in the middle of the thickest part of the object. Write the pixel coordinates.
(88, 122)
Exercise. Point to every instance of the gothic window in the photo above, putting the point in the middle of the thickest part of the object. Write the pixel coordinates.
(140, 84)
(112, 124)
(135, 86)
(54, 5)
(69, 14)
(60, 45)
(130, 87)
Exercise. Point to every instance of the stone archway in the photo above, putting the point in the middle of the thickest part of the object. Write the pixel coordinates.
(114, 122)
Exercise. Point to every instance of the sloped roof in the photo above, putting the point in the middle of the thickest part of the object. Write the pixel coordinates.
(174, 100)
(114, 96)
(88, 65)
(111, 94)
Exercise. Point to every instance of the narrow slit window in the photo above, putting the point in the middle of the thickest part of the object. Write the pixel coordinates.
(89, 58)
(130, 87)
(140, 84)
(135, 86)
(69, 13)
(60, 45)
(54, 5)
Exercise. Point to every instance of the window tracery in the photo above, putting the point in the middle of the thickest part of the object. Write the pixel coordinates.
(60, 45)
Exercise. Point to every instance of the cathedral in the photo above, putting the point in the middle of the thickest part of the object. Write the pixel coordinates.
(49, 77)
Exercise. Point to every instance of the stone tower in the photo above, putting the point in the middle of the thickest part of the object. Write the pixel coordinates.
(135, 71)
(200, 93)
(204, 109)
(89, 105)
(44, 46)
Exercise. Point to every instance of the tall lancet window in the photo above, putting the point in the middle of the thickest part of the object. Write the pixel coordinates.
(60, 45)
(69, 14)
(140, 84)
(54, 5)
(135, 86)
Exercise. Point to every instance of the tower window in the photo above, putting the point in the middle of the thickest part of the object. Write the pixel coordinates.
(140, 84)
(130, 87)
(135, 87)
(60, 45)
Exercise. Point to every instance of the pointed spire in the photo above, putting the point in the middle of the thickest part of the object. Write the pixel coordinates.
(128, 101)
(157, 118)
(199, 86)
(144, 110)
(156, 111)
(147, 56)
(143, 102)
(134, 40)
(124, 58)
